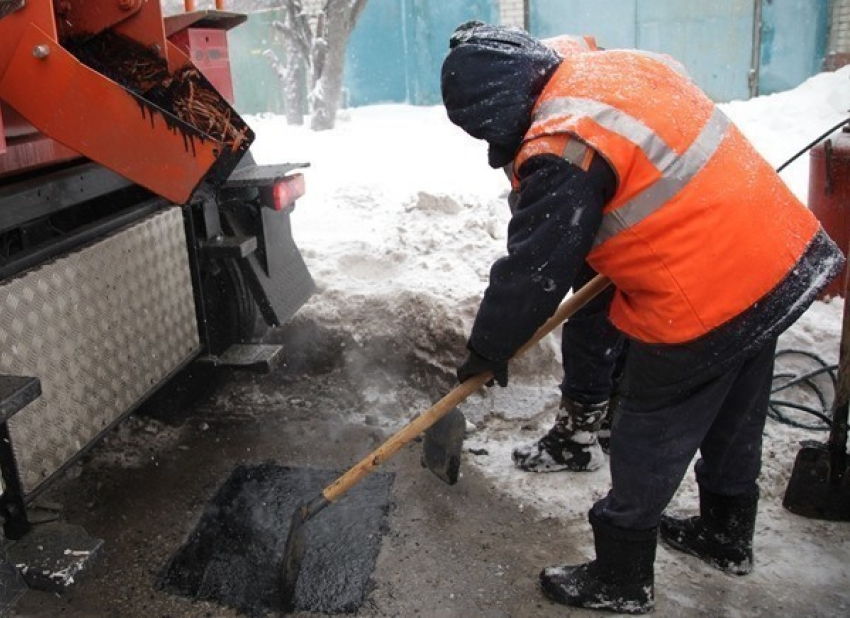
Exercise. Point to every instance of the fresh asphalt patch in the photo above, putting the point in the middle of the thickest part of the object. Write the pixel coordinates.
(234, 554)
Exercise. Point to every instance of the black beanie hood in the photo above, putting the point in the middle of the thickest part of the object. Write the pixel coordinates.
(491, 79)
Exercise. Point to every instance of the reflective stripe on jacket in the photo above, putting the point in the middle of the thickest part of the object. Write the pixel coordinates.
(701, 227)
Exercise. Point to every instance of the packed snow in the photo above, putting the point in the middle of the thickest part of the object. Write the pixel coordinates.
(400, 224)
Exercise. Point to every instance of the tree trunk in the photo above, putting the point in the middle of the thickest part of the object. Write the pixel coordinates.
(321, 53)
(293, 86)
(328, 87)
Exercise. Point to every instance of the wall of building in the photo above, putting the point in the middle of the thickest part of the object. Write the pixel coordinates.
(714, 40)
(512, 12)
(405, 41)
(838, 49)
(397, 47)
(793, 46)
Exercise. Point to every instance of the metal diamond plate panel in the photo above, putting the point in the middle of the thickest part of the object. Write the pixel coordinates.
(100, 327)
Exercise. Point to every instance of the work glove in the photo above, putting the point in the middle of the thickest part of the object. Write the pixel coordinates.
(475, 364)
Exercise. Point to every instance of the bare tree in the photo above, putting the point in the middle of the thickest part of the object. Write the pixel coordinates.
(296, 38)
(315, 45)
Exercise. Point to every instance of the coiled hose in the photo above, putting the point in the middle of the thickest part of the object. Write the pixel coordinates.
(790, 388)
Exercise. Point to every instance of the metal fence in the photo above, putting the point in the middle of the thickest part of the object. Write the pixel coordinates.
(732, 48)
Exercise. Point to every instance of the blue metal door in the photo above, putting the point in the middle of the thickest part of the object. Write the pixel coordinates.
(398, 46)
(714, 40)
(793, 42)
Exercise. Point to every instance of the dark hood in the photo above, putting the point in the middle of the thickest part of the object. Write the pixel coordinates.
(491, 79)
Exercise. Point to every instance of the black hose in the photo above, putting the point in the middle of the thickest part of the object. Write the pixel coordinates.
(812, 144)
(778, 409)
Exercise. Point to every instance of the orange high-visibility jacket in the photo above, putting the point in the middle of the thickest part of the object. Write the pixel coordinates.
(568, 44)
(701, 227)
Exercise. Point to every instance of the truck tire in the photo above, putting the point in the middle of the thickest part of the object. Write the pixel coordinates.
(230, 309)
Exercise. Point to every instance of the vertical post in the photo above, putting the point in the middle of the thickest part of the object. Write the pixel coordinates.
(189, 5)
(755, 57)
(192, 243)
(838, 435)
(12, 506)
(526, 15)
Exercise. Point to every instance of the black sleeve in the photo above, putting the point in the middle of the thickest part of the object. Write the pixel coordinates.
(591, 347)
(557, 215)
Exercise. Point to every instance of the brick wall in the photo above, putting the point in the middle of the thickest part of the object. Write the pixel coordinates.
(838, 52)
(512, 12)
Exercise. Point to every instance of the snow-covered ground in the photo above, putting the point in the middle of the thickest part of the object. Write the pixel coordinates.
(401, 221)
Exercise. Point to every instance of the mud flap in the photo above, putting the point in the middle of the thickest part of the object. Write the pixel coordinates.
(276, 273)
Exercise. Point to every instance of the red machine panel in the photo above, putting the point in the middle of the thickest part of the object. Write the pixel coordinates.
(208, 50)
(829, 194)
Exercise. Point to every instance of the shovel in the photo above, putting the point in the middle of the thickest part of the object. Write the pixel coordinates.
(819, 486)
(296, 539)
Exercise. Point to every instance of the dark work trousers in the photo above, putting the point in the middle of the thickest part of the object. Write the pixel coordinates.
(653, 441)
(592, 349)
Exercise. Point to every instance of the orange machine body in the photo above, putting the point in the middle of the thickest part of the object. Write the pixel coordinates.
(88, 113)
(202, 36)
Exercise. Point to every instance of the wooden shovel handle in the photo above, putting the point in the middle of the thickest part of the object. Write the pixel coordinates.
(457, 395)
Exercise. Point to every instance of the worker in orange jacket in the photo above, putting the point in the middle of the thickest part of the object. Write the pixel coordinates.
(620, 162)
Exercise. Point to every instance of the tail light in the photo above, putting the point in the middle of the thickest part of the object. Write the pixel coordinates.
(286, 191)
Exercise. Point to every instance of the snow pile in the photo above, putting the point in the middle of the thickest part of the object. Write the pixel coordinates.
(401, 221)
(781, 124)
(400, 224)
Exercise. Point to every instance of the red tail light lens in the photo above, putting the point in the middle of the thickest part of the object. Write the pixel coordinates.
(287, 190)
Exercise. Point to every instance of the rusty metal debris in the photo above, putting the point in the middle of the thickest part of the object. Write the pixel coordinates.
(186, 94)
(197, 104)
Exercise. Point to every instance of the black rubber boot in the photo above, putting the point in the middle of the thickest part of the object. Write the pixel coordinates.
(571, 444)
(621, 579)
(721, 535)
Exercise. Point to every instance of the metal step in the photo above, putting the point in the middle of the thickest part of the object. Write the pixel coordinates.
(51, 557)
(12, 585)
(229, 247)
(253, 175)
(257, 357)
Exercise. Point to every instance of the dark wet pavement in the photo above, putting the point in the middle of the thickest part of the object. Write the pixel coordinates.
(464, 550)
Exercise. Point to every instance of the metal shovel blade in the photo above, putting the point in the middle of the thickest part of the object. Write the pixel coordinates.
(442, 446)
(818, 488)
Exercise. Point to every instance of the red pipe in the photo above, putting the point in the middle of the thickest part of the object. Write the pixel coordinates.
(829, 194)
